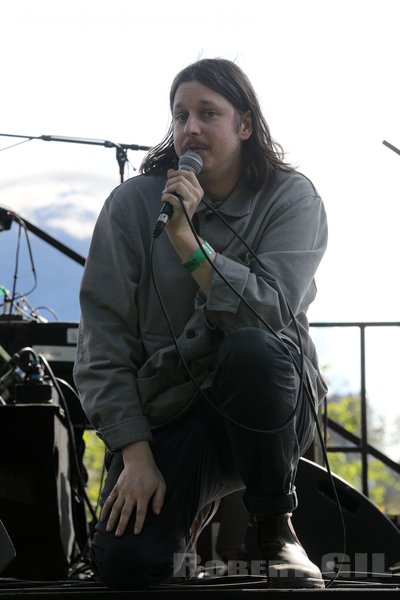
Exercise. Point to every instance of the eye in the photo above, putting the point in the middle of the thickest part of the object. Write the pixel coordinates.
(210, 113)
(180, 117)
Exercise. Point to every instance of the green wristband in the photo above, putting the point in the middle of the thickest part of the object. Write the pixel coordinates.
(198, 257)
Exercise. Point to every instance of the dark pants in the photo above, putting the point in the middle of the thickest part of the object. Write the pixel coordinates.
(204, 456)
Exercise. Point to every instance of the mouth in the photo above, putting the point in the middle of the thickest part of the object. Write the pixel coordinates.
(192, 148)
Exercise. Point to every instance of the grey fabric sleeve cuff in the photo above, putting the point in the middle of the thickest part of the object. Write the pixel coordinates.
(220, 296)
(117, 435)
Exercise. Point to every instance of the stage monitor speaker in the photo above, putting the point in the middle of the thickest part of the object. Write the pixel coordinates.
(372, 540)
(7, 550)
(35, 491)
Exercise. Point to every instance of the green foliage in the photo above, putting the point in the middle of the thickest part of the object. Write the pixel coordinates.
(93, 460)
(384, 487)
(346, 412)
(383, 482)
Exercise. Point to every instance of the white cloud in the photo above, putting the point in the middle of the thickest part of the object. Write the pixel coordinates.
(69, 202)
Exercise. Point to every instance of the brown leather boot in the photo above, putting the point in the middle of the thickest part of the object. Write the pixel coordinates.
(287, 563)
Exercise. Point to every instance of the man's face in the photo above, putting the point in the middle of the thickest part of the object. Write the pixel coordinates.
(205, 122)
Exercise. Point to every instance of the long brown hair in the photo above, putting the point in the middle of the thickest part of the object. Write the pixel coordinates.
(262, 156)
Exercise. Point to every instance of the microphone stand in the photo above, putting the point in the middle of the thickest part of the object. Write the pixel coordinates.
(385, 143)
(7, 217)
(121, 149)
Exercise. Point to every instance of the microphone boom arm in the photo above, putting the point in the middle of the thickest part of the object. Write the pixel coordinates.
(121, 149)
(385, 143)
(6, 218)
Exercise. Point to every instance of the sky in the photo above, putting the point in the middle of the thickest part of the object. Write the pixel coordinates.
(325, 71)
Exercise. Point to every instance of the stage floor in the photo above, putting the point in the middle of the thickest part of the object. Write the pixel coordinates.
(224, 588)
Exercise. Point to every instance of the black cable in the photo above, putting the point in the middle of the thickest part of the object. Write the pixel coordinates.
(22, 224)
(14, 295)
(83, 424)
(74, 453)
(328, 468)
(325, 420)
(309, 398)
(187, 369)
(81, 491)
(300, 370)
(15, 276)
(16, 144)
(75, 567)
(40, 357)
(302, 387)
(267, 325)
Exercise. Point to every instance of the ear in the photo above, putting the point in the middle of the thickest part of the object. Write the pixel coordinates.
(246, 126)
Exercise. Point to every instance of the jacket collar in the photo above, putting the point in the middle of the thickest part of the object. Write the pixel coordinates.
(238, 203)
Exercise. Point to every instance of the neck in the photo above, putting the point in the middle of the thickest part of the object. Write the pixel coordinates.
(219, 190)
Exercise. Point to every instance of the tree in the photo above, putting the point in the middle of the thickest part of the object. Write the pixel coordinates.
(94, 463)
(384, 483)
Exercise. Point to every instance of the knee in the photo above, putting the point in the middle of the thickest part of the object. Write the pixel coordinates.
(120, 567)
(251, 351)
(255, 369)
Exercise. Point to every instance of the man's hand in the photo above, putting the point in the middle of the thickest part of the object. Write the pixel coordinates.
(139, 482)
(187, 187)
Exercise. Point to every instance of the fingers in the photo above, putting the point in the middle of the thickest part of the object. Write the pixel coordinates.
(142, 506)
(158, 498)
(124, 517)
(116, 516)
(119, 511)
(108, 504)
(139, 483)
(185, 185)
(175, 192)
(141, 511)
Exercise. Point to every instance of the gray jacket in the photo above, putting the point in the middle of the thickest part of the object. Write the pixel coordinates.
(127, 370)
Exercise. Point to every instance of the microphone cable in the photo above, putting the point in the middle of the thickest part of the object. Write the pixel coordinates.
(76, 479)
(321, 436)
(80, 487)
(14, 295)
(300, 370)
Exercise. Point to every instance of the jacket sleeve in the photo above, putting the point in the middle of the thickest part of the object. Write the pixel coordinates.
(290, 249)
(109, 348)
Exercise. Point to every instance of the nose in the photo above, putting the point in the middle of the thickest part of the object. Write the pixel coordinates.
(192, 125)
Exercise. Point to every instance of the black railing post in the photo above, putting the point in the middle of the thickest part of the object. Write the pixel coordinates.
(360, 444)
(364, 417)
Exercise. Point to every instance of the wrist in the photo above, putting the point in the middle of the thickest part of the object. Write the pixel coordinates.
(185, 244)
(199, 257)
(135, 451)
(181, 237)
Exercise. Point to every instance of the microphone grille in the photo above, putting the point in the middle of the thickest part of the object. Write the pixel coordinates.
(190, 161)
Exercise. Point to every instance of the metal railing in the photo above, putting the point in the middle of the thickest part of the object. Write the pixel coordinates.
(360, 443)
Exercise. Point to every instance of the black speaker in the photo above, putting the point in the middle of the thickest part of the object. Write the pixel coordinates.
(56, 341)
(35, 490)
(372, 540)
(7, 550)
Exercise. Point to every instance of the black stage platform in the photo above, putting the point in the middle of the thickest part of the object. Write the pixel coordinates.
(224, 588)
(36, 488)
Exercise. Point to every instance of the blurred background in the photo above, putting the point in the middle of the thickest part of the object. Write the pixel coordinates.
(326, 73)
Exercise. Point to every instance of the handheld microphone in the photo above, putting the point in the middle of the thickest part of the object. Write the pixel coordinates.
(190, 161)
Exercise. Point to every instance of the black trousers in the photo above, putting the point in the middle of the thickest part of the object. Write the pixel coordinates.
(212, 451)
